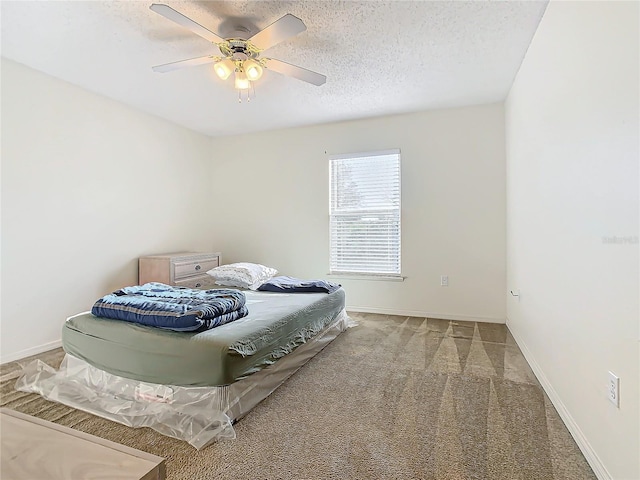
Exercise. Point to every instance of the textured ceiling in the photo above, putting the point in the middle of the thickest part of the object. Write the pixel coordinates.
(380, 57)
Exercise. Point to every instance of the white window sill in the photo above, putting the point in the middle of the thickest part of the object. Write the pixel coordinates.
(356, 276)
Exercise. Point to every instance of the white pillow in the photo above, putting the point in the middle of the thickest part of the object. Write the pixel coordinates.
(242, 275)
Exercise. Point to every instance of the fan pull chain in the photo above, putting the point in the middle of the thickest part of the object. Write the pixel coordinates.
(249, 93)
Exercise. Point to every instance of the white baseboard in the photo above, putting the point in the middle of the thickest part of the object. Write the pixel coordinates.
(417, 313)
(581, 440)
(12, 357)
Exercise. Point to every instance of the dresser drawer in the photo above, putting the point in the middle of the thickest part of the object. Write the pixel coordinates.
(191, 267)
(177, 268)
(200, 281)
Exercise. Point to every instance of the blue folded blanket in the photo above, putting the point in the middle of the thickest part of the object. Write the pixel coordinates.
(172, 308)
(295, 285)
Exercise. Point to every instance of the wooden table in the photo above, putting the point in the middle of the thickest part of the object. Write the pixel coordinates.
(36, 449)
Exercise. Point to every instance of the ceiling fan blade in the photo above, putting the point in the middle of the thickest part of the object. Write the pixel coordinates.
(283, 28)
(175, 16)
(192, 62)
(296, 72)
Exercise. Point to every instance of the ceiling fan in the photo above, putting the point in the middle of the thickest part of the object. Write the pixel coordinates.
(240, 55)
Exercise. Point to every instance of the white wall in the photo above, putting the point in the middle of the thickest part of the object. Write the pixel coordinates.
(572, 174)
(273, 192)
(88, 185)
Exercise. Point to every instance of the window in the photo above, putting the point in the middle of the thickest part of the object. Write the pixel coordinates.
(365, 213)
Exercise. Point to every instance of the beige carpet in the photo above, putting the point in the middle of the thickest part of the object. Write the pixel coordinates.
(394, 398)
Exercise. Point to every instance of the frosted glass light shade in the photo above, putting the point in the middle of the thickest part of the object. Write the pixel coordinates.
(252, 69)
(242, 82)
(224, 68)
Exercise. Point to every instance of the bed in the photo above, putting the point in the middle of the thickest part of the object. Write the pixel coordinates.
(192, 386)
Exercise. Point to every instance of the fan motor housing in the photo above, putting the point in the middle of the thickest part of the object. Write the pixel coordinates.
(238, 48)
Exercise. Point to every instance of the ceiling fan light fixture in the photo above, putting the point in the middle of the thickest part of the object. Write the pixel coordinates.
(224, 68)
(241, 55)
(241, 80)
(252, 69)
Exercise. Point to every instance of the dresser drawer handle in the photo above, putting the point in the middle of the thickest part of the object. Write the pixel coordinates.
(198, 267)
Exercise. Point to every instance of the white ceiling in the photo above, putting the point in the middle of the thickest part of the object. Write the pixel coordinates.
(380, 57)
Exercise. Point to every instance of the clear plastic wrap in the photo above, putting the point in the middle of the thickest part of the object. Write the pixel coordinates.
(198, 415)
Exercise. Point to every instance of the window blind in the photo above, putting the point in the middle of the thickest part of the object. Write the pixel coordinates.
(365, 213)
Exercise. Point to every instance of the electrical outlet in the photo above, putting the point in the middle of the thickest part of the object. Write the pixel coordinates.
(444, 280)
(613, 389)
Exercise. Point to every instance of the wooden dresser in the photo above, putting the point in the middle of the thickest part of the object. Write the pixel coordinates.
(185, 269)
(37, 449)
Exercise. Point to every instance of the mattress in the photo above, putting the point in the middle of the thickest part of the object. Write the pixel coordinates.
(276, 325)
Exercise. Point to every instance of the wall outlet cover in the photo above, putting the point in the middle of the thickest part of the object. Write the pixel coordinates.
(613, 389)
